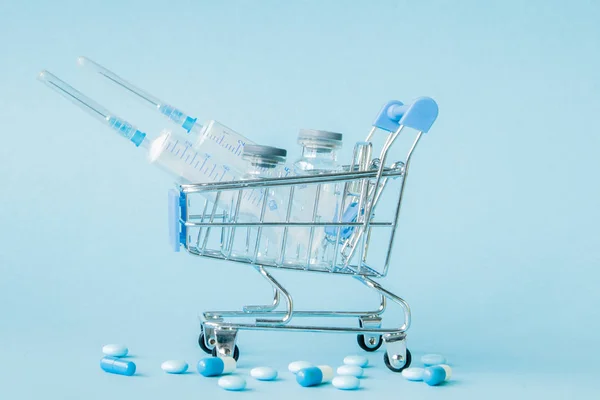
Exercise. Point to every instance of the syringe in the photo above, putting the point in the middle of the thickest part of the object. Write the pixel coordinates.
(197, 132)
(172, 153)
(117, 124)
(179, 117)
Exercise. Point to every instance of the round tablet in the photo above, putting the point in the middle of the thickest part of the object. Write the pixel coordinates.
(360, 361)
(413, 374)
(263, 373)
(174, 366)
(350, 370)
(346, 382)
(433, 359)
(232, 382)
(115, 350)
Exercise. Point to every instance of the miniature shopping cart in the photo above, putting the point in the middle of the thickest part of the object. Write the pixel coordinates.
(208, 231)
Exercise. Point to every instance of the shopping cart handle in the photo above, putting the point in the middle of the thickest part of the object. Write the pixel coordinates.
(174, 224)
(419, 115)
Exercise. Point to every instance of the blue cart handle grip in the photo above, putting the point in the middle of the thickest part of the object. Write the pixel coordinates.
(419, 115)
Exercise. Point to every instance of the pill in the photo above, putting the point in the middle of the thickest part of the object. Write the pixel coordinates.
(413, 374)
(232, 382)
(313, 376)
(360, 361)
(434, 375)
(350, 370)
(115, 350)
(296, 366)
(115, 365)
(174, 366)
(214, 366)
(448, 371)
(263, 373)
(433, 359)
(346, 382)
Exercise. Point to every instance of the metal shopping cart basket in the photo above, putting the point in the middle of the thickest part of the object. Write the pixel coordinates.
(208, 231)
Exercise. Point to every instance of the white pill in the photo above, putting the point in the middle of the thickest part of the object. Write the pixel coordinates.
(433, 359)
(232, 382)
(174, 366)
(115, 350)
(448, 371)
(360, 361)
(350, 370)
(346, 382)
(413, 374)
(263, 373)
(296, 366)
(327, 372)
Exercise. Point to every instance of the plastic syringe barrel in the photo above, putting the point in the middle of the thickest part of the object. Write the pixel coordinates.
(173, 113)
(117, 124)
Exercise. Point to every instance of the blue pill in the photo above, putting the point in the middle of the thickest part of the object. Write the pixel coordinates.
(434, 375)
(215, 366)
(118, 366)
(314, 375)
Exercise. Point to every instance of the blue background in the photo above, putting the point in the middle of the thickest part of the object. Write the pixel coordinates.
(498, 253)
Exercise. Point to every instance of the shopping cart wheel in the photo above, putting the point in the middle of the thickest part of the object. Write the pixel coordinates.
(386, 360)
(202, 344)
(371, 343)
(236, 352)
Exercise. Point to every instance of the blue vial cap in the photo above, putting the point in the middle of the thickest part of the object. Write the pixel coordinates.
(309, 376)
(210, 366)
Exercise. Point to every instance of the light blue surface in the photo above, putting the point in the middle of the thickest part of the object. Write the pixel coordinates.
(498, 251)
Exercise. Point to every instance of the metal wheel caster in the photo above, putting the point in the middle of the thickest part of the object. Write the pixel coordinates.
(224, 342)
(202, 344)
(386, 360)
(369, 342)
(236, 352)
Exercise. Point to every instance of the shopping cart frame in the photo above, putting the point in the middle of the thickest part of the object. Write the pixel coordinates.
(368, 177)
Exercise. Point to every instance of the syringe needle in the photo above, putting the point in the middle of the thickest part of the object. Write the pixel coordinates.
(123, 127)
(74, 95)
(172, 113)
(86, 62)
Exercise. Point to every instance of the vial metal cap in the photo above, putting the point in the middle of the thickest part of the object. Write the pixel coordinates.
(317, 137)
(266, 153)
